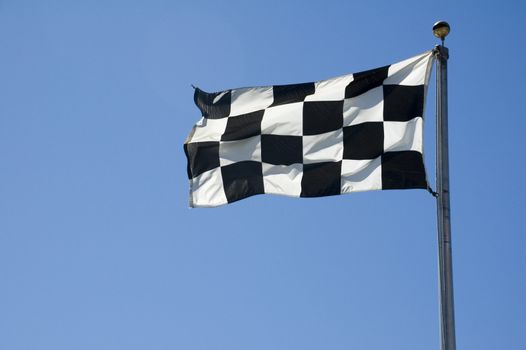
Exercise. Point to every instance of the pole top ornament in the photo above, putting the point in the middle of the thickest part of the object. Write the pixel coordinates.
(441, 29)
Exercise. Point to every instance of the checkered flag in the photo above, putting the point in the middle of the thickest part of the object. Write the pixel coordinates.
(357, 132)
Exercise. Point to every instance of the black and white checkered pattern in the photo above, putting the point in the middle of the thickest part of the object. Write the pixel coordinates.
(356, 132)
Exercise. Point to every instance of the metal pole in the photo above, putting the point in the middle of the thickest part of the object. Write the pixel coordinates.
(447, 315)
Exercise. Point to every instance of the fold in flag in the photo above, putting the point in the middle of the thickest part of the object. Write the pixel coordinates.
(357, 132)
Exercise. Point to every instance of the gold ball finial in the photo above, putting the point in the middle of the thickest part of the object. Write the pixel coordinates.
(441, 29)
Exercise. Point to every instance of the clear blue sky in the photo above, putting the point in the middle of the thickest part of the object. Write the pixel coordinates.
(98, 249)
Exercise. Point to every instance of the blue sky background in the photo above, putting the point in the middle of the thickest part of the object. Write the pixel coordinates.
(98, 249)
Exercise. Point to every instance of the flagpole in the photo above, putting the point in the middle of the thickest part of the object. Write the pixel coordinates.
(447, 314)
